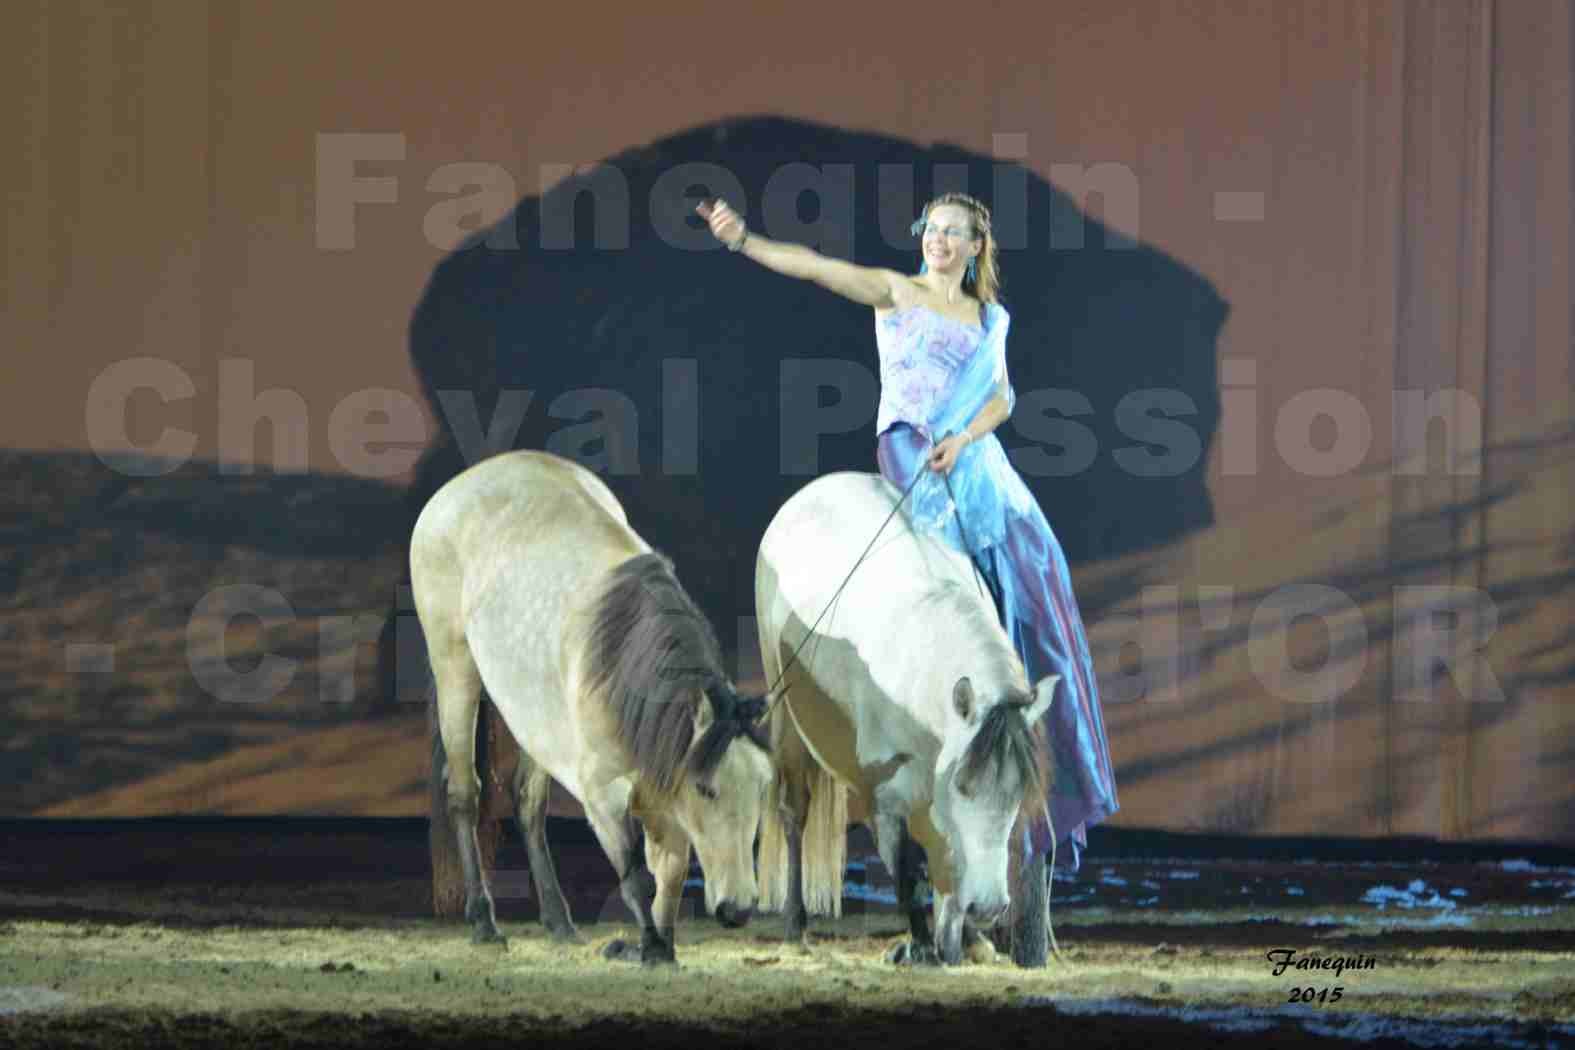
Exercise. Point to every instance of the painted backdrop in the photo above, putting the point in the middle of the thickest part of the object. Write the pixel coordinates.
(1347, 613)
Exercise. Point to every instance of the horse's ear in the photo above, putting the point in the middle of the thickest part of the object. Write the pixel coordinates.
(1044, 692)
(963, 700)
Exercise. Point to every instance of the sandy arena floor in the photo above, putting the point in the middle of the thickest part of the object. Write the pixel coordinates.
(191, 937)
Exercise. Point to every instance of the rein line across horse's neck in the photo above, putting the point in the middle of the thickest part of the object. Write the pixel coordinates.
(1050, 879)
(833, 599)
(978, 577)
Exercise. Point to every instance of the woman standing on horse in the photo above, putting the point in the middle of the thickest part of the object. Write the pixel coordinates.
(941, 336)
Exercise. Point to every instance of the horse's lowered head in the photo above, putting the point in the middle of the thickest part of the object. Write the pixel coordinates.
(989, 774)
(707, 771)
(697, 751)
(727, 775)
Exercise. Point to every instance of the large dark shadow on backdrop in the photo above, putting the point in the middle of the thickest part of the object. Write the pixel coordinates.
(1095, 321)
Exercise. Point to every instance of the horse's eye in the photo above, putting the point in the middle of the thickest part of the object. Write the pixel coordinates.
(706, 791)
(964, 786)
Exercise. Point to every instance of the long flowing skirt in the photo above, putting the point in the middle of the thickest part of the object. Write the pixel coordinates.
(1028, 576)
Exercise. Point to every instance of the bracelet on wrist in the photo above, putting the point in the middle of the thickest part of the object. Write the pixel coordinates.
(738, 245)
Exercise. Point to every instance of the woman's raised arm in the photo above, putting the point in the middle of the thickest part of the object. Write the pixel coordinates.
(862, 284)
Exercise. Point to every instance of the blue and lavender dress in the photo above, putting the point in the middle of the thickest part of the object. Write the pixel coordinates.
(936, 374)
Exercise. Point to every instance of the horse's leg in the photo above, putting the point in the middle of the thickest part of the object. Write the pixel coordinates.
(1025, 932)
(607, 808)
(531, 788)
(459, 702)
(793, 810)
(905, 860)
(667, 857)
(948, 928)
(1030, 927)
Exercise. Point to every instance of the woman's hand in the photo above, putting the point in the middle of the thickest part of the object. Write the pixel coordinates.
(943, 457)
(862, 284)
(726, 224)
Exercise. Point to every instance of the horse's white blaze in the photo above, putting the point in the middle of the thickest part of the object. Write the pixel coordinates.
(506, 560)
(888, 653)
(980, 827)
(724, 836)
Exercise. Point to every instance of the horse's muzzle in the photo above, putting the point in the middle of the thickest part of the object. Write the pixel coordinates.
(732, 916)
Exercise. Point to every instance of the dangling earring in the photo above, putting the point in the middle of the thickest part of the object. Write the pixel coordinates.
(924, 267)
(972, 272)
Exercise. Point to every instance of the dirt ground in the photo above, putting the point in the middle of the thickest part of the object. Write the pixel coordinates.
(322, 936)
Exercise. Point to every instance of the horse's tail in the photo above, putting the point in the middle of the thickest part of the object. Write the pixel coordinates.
(823, 817)
(448, 876)
(825, 843)
(802, 788)
(448, 880)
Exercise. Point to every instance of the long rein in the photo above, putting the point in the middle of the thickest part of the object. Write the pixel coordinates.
(978, 579)
(835, 595)
(857, 562)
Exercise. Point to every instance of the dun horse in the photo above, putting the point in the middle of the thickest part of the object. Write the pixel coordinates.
(528, 581)
(908, 694)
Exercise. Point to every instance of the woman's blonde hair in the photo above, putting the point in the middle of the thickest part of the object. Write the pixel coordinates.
(986, 284)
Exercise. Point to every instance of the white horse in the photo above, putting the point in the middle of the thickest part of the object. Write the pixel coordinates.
(908, 694)
(529, 581)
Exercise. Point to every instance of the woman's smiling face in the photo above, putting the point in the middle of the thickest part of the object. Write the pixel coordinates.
(949, 240)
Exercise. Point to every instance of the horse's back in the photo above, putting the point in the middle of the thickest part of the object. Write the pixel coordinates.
(820, 534)
(517, 498)
(515, 543)
(504, 560)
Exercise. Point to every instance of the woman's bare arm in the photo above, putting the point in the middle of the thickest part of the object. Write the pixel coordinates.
(862, 284)
(944, 455)
(995, 412)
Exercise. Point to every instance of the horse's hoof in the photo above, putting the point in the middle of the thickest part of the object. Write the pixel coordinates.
(1031, 956)
(488, 937)
(658, 957)
(565, 935)
(909, 954)
(620, 950)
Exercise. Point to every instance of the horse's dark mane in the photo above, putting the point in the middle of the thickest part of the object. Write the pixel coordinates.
(1006, 741)
(650, 652)
(742, 720)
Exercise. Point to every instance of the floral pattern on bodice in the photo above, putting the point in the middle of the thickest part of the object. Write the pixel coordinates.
(921, 354)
